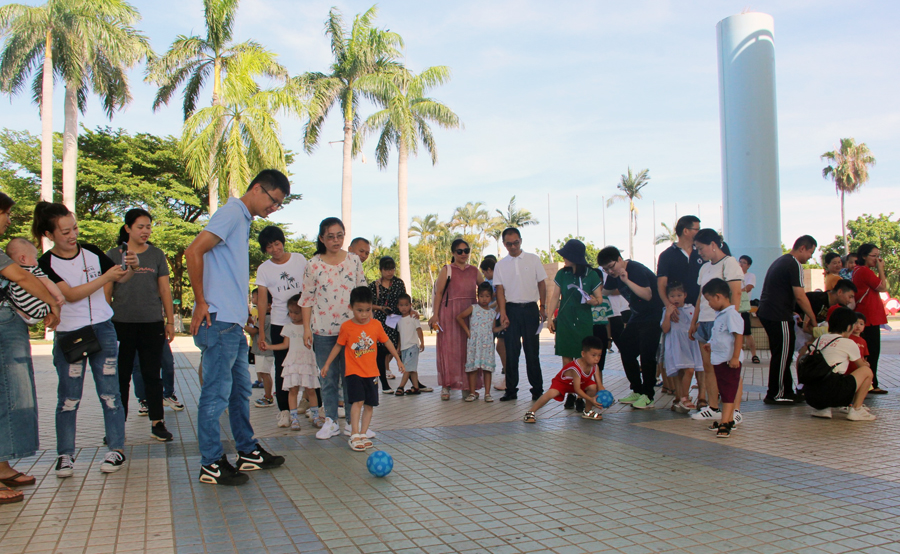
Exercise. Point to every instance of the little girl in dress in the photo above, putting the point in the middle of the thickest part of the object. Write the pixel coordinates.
(299, 366)
(480, 346)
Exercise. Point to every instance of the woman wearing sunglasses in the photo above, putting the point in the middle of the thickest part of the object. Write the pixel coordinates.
(455, 291)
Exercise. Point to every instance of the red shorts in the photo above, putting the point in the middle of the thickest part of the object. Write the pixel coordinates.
(565, 387)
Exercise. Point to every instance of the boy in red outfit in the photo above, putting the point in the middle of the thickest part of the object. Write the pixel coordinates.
(582, 377)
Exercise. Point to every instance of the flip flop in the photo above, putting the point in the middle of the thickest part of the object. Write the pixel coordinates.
(14, 482)
(18, 497)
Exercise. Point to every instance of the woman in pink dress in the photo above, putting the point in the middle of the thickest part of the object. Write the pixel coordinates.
(455, 292)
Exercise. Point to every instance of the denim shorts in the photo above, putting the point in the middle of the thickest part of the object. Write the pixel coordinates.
(704, 331)
(410, 358)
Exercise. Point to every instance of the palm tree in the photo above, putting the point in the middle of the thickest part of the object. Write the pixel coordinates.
(471, 218)
(364, 50)
(668, 236)
(512, 218)
(849, 170)
(631, 186)
(190, 60)
(404, 124)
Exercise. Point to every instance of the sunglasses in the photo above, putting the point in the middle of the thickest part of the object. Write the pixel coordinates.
(462, 251)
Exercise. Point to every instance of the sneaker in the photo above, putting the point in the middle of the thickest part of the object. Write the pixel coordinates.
(264, 402)
(677, 407)
(370, 434)
(342, 413)
(860, 415)
(846, 409)
(579, 405)
(172, 402)
(222, 473)
(302, 406)
(113, 462)
(65, 466)
(642, 403)
(630, 399)
(143, 410)
(782, 400)
(258, 459)
(160, 433)
(284, 418)
(295, 424)
(329, 429)
(387, 391)
(738, 417)
(707, 414)
(348, 430)
(825, 413)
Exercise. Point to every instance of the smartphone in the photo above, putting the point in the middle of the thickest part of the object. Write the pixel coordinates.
(124, 249)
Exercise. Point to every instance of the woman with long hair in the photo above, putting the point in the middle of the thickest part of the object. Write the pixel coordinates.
(871, 280)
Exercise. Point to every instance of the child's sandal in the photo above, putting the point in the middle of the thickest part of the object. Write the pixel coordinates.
(357, 443)
(755, 359)
(688, 404)
(529, 417)
(399, 392)
(591, 414)
(488, 397)
(472, 397)
(367, 442)
(724, 430)
(412, 391)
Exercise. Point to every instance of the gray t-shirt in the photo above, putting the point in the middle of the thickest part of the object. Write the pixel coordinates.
(137, 300)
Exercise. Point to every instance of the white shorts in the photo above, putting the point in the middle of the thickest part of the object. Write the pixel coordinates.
(265, 364)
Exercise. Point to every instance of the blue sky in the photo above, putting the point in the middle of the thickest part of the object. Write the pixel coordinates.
(561, 99)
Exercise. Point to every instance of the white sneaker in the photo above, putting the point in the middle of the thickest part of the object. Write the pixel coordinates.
(284, 418)
(302, 406)
(824, 413)
(738, 418)
(370, 434)
(342, 414)
(348, 430)
(707, 414)
(861, 414)
(328, 430)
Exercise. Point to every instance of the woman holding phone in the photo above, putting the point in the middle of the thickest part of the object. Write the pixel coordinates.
(871, 280)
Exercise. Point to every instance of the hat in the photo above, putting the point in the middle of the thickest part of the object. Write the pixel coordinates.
(574, 252)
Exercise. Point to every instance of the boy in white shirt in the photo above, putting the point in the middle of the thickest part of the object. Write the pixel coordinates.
(724, 349)
(412, 342)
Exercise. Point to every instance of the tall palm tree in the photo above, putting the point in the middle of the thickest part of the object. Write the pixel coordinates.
(668, 236)
(190, 60)
(849, 170)
(404, 124)
(361, 51)
(631, 186)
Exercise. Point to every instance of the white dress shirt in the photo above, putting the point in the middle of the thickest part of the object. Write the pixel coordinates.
(519, 276)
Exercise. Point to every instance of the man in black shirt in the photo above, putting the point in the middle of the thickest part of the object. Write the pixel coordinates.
(637, 284)
(681, 262)
(843, 294)
(782, 290)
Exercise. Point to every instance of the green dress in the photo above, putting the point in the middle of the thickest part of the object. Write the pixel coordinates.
(574, 320)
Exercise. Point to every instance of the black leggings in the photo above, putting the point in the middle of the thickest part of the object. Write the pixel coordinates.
(281, 396)
(602, 333)
(872, 336)
(147, 339)
(381, 360)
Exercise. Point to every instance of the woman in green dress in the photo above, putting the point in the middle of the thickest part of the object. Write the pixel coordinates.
(576, 290)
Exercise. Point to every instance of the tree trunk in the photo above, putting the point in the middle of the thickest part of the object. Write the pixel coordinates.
(213, 185)
(70, 147)
(347, 179)
(403, 215)
(47, 130)
(631, 231)
(844, 225)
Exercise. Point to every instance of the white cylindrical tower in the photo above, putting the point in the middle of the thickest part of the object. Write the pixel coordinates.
(749, 131)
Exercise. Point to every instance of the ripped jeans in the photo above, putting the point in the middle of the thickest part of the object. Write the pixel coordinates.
(71, 383)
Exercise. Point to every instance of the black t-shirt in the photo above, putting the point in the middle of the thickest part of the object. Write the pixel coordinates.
(777, 300)
(675, 266)
(819, 302)
(641, 310)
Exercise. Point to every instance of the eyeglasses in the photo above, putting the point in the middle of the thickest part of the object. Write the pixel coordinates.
(513, 243)
(339, 237)
(461, 251)
(609, 267)
(278, 205)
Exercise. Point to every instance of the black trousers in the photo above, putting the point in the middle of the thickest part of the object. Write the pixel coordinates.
(281, 396)
(617, 325)
(872, 336)
(147, 340)
(781, 344)
(640, 339)
(602, 333)
(381, 355)
(524, 320)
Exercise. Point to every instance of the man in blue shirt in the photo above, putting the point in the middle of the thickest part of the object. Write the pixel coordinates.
(218, 263)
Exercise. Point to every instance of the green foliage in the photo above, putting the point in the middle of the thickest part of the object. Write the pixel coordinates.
(20, 169)
(881, 231)
(590, 254)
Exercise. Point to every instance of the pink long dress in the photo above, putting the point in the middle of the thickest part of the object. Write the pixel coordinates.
(451, 343)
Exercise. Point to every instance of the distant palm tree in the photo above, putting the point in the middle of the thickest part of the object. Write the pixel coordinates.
(668, 236)
(364, 50)
(516, 218)
(849, 170)
(631, 186)
(404, 124)
(193, 58)
(471, 218)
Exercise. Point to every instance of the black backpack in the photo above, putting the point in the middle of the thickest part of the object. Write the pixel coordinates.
(812, 367)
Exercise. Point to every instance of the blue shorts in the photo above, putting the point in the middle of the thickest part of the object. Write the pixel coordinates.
(704, 331)
(410, 359)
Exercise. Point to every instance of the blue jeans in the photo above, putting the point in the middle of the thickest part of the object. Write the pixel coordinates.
(71, 385)
(18, 402)
(168, 374)
(226, 384)
(334, 379)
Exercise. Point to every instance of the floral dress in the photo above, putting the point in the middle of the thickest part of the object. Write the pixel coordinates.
(388, 297)
(326, 289)
(480, 347)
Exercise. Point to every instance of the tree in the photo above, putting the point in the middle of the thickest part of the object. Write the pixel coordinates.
(20, 176)
(631, 186)
(668, 236)
(190, 60)
(364, 50)
(849, 170)
(884, 232)
(404, 124)
(513, 217)
(590, 254)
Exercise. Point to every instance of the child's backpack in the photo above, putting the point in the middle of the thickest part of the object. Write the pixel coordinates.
(812, 367)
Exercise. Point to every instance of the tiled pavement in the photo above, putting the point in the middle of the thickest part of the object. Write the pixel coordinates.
(473, 478)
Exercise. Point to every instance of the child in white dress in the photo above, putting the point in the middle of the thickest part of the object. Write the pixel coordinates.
(480, 347)
(300, 368)
(682, 355)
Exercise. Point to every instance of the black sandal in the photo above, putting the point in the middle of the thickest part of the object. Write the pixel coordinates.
(755, 360)
(724, 430)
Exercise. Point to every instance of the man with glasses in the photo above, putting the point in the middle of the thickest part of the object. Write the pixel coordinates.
(520, 281)
(681, 262)
(218, 263)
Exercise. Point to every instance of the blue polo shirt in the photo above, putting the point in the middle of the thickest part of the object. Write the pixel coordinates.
(226, 268)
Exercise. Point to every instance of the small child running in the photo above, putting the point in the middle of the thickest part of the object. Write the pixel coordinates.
(724, 348)
(581, 377)
(32, 310)
(299, 365)
(412, 342)
(682, 355)
(480, 347)
(358, 338)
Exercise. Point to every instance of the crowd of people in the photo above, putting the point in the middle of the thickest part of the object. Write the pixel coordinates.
(323, 338)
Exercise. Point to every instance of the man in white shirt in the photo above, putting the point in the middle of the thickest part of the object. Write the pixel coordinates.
(520, 281)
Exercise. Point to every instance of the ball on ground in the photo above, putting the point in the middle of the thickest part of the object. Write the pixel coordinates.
(380, 463)
(605, 398)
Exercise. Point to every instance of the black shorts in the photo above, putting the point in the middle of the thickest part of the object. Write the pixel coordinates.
(834, 391)
(746, 317)
(362, 389)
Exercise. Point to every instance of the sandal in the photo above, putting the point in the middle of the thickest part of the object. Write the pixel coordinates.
(488, 397)
(445, 393)
(14, 481)
(529, 417)
(667, 390)
(724, 430)
(391, 375)
(702, 404)
(399, 391)
(17, 496)
(357, 443)
(472, 397)
(755, 360)
(367, 442)
(412, 391)
(686, 402)
(591, 414)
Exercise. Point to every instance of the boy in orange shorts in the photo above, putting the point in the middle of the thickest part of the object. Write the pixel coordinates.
(582, 377)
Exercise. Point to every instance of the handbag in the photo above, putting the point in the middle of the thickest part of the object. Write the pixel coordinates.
(80, 343)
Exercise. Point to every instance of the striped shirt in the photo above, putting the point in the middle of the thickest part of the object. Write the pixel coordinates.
(35, 308)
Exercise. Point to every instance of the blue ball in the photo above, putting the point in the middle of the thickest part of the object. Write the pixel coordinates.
(380, 463)
(605, 398)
